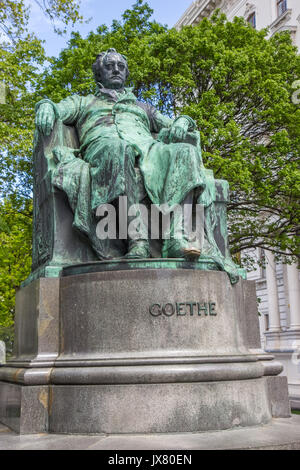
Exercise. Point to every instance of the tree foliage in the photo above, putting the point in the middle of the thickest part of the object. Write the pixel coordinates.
(21, 60)
(15, 259)
(14, 15)
(15, 252)
(19, 70)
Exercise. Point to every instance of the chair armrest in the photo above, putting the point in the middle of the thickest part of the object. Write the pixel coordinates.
(192, 138)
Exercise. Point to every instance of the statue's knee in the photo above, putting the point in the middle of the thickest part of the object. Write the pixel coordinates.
(115, 145)
(186, 150)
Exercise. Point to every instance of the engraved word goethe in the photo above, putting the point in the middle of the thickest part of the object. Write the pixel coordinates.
(181, 309)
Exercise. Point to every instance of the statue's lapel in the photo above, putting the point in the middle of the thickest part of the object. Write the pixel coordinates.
(128, 97)
(112, 95)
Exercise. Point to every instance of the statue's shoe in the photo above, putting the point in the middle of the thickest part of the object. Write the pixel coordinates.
(180, 249)
(138, 250)
(191, 253)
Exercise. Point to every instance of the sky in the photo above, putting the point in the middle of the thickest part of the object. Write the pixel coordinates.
(101, 12)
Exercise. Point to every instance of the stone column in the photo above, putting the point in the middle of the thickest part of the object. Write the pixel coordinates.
(274, 11)
(294, 295)
(274, 315)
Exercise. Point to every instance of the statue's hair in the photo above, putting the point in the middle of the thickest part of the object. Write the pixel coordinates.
(96, 67)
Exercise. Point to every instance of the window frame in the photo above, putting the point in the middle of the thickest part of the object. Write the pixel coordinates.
(281, 7)
(253, 23)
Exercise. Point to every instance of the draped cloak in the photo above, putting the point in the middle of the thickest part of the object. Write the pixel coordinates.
(107, 123)
(113, 126)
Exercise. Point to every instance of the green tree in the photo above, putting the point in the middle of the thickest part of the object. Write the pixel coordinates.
(14, 15)
(21, 60)
(15, 258)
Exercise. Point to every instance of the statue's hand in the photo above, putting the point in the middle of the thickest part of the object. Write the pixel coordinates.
(45, 119)
(179, 130)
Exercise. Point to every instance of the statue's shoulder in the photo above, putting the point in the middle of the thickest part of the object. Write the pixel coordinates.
(148, 108)
(78, 97)
(87, 98)
(85, 101)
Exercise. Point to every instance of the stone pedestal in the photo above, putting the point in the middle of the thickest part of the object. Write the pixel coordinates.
(131, 350)
(2, 352)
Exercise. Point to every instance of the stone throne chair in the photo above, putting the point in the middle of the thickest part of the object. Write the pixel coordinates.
(56, 244)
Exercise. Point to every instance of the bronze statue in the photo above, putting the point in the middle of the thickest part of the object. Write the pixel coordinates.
(119, 139)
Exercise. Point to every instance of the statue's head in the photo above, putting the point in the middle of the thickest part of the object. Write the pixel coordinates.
(111, 69)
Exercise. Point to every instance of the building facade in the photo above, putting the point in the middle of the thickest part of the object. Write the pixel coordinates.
(277, 15)
(278, 292)
(278, 284)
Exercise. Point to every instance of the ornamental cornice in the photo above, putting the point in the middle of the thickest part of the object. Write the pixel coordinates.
(228, 5)
(250, 8)
(281, 20)
(197, 11)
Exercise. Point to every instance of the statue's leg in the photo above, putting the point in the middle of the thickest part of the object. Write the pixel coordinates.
(138, 243)
(176, 175)
(178, 242)
(112, 162)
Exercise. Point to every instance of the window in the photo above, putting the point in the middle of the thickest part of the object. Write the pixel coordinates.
(252, 20)
(262, 264)
(281, 7)
(267, 322)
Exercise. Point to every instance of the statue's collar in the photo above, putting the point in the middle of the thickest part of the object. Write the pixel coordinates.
(113, 95)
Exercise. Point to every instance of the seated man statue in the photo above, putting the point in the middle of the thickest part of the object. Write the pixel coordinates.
(115, 133)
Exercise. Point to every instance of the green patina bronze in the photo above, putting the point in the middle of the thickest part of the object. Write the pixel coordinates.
(97, 148)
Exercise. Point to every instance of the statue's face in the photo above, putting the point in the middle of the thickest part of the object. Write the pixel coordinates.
(113, 71)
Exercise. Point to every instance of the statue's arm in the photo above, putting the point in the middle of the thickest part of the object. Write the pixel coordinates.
(178, 127)
(48, 112)
(163, 122)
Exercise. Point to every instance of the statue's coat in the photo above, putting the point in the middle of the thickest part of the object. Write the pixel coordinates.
(111, 125)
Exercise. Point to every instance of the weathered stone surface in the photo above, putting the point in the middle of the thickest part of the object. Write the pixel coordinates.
(158, 408)
(279, 434)
(216, 370)
(278, 396)
(37, 319)
(251, 315)
(152, 350)
(113, 315)
(2, 352)
(24, 409)
(128, 365)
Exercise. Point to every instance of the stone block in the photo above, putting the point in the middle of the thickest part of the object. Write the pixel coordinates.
(278, 396)
(37, 322)
(149, 314)
(2, 352)
(137, 351)
(154, 351)
(250, 315)
(24, 409)
(158, 408)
